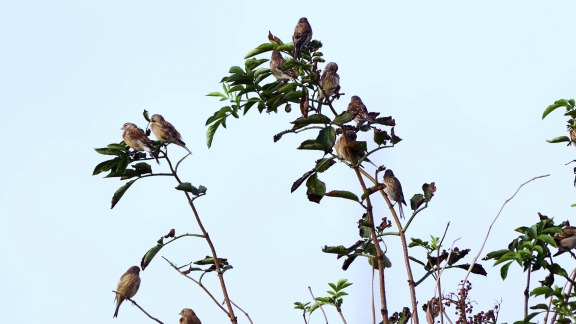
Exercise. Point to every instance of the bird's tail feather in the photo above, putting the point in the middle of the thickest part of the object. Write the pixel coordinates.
(401, 210)
(117, 308)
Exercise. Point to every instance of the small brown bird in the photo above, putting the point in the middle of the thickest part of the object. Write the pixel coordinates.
(137, 139)
(357, 107)
(189, 317)
(566, 240)
(127, 286)
(276, 61)
(328, 82)
(165, 132)
(342, 152)
(394, 190)
(572, 136)
(302, 36)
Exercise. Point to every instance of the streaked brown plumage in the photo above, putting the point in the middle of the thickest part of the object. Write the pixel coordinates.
(394, 190)
(572, 136)
(566, 240)
(189, 317)
(328, 82)
(357, 107)
(342, 152)
(302, 36)
(137, 139)
(128, 286)
(276, 61)
(165, 132)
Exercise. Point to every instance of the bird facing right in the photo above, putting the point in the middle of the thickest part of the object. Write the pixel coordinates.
(127, 286)
(356, 107)
(355, 155)
(302, 36)
(394, 190)
(566, 241)
(189, 317)
(165, 132)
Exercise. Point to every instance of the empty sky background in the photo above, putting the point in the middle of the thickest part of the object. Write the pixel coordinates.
(466, 82)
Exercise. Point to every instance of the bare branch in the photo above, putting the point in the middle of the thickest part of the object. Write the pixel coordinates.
(133, 302)
(317, 303)
(494, 221)
(245, 312)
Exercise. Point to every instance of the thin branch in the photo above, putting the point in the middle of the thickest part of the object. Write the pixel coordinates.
(573, 275)
(494, 221)
(244, 312)
(411, 282)
(527, 292)
(342, 316)
(230, 312)
(133, 302)
(438, 267)
(196, 235)
(156, 174)
(198, 283)
(372, 294)
(177, 164)
(373, 151)
(317, 303)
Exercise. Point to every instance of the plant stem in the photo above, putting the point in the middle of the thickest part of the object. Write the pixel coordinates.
(242, 312)
(233, 318)
(342, 316)
(411, 283)
(322, 309)
(133, 302)
(438, 268)
(527, 292)
(372, 294)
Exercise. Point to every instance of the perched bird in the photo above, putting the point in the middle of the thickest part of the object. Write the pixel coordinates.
(566, 240)
(127, 286)
(137, 139)
(189, 317)
(329, 81)
(572, 136)
(342, 152)
(394, 190)
(357, 107)
(302, 36)
(165, 132)
(276, 61)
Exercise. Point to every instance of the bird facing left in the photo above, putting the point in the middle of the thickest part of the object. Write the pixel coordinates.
(135, 138)
(127, 286)
(165, 132)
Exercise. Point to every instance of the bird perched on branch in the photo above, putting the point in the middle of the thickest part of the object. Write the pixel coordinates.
(357, 107)
(566, 240)
(302, 36)
(329, 81)
(394, 190)
(165, 132)
(135, 138)
(276, 61)
(127, 286)
(189, 317)
(353, 156)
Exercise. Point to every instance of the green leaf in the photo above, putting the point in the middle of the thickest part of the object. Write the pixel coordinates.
(571, 102)
(316, 189)
(343, 118)
(186, 186)
(323, 164)
(142, 167)
(119, 147)
(310, 145)
(105, 166)
(326, 138)
(550, 109)
(559, 139)
(540, 306)
(210, 260)
(236, 70)
(552, 230)
(147, 258)
(288, 87)
(341, 250)
(210, 133)
(416, 201)
(253, 63)
(289, 48)
(547, 239)
(145, 114)
(508, 256)
(202, 189)
(342, 194)
(539, 291)
(504, 270)
(293, 95)
(120, 192)
(107, 151)
(217, 94)
(312, 119)
(301, 180)
(260, 49)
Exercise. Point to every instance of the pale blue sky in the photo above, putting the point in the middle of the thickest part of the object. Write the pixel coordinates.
(466, 82)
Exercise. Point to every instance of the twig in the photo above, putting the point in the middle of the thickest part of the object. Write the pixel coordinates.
(133, 302)
(438, 267)
(527, 292)
(372, 293)
(317, 303)
(177, 164)
(230, 312)
(443, 268)
(199, 284)
(247, 313)
(573, 275)
(174, 239)
(494, 221)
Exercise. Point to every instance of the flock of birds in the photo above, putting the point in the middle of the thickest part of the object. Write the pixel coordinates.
(329, 82)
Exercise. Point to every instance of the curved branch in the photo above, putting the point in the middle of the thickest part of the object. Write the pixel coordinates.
(133, 302)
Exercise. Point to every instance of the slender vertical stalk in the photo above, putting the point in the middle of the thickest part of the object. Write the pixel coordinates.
(411, 283)
(233, 318)
(527, 292)
(440, 308)
(342, 316)
(372, 294)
